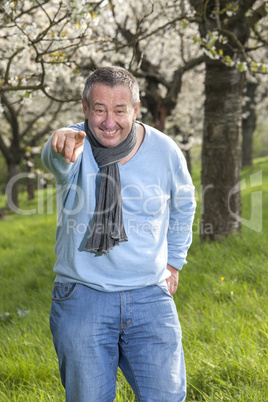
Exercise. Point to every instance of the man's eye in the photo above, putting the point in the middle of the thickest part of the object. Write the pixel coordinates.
(99, 111)
(120, 111)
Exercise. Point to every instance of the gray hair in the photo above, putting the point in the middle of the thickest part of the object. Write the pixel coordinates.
(112, 76)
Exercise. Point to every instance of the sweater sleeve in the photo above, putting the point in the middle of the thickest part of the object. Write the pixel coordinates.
(55, 162)
(182, 209)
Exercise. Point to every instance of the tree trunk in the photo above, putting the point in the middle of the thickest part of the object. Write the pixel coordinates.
(248, 124)
(12, 192)
(31, 176)
(221, 156)
(188, 160)
(31, 188)
(159, 115)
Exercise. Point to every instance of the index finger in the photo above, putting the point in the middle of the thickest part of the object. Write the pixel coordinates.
(80, 136)
(74, 146)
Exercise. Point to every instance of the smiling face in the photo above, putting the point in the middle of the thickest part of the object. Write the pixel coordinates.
(110, 113)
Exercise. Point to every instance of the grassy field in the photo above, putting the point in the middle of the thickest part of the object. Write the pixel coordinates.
(221, 301)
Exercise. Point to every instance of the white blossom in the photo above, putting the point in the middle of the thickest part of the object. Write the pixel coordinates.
(211, 55)
(9, 7)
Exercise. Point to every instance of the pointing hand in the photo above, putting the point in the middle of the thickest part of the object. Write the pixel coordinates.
(68, 143)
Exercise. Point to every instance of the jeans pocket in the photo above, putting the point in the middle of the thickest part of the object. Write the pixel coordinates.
(63, 291)
(165, 290)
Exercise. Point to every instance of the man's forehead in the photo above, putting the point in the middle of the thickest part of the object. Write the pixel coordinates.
(119, 95)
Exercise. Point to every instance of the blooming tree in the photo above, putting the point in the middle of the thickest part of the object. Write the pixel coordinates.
(229, 33)
(47, 47)
(39, 42)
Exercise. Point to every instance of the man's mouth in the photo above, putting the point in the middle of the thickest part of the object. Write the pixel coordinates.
(109, 132)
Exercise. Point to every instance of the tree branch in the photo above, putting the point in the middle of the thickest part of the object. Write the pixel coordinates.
(31, 122)
(10, 61)
(174, 88)
(257, 15)
(4, 149)
(58, 99)
(11, 116)
(36, 138)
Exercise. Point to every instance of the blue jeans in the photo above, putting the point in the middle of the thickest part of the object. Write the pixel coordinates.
(139, 331)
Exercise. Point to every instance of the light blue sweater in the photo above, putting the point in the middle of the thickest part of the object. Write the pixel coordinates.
(158, 209)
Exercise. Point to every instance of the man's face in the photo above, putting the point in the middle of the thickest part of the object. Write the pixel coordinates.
(110, 113)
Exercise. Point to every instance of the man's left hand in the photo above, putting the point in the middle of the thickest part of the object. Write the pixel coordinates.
(173, 280)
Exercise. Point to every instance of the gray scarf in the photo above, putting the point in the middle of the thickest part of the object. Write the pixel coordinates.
(108, 226)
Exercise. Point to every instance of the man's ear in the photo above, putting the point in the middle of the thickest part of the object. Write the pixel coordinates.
(85, 107)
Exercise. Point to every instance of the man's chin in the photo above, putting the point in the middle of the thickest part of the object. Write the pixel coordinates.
(109, 140)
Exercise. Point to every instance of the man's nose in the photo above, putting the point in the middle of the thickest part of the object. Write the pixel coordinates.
(109, 121)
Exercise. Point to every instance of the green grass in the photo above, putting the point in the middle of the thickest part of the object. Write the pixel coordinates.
(221, 301)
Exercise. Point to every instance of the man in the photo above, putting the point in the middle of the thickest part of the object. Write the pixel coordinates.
(126, 206)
